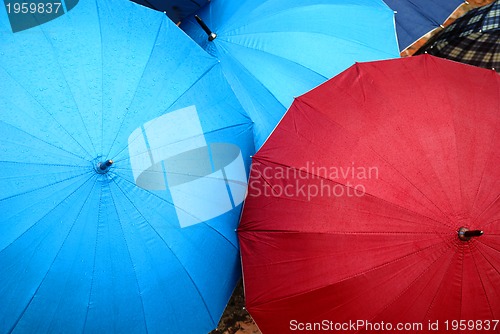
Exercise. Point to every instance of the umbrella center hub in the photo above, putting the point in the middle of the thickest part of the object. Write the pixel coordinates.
(103, 167)
(465, 234)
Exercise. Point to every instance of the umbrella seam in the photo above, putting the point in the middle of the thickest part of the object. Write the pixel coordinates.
(384, 200)
(55, 257)
(347, 278)
(173, 253)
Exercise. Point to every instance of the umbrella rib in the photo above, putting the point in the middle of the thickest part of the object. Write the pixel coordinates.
(47, 112)
(173, 205)
(456, 149)
(482, 283)
(91, 289)
(177, 99)
(351, 276)
(489, 223)
(43, 141)
(325, 255)
(136, 89)
(366, 193)
(411, 284)
(231, 181)
(128, 251)
(102, 73)
(492, 248)
(486, 209)
(391, 165)
(171, 250)
(72, 96)
(258, 82)
(340, 38)
(431, 304)
(45, 186)
(178, 141)
(57, 254)
(38, 164)
(275, 55)
(299, 7)
(426, 269)
(491, 264)
(482, 177)
(423, 13)
(32, 226)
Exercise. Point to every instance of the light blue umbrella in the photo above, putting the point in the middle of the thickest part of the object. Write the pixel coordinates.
(274, 50)
(124, 159)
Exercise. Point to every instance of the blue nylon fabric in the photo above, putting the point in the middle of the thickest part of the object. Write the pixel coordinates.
(272, 51)
(415, 18)
(88, 252)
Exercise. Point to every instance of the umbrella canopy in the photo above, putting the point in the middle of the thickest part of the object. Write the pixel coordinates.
(357, 198)
(471, 39)
(176, 10)
(274, 50)
(123, 173)
(414, 19)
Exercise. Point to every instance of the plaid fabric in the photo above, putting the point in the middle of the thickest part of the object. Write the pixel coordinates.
(472, 39)
(485, 18)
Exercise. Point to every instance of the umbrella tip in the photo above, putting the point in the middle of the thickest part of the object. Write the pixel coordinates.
(465, 234)
(104, 166)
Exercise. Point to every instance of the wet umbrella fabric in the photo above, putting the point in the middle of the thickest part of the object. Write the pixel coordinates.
(471, 39)
(272, 51)
(356, 199)
(123, 173)
(414, 19)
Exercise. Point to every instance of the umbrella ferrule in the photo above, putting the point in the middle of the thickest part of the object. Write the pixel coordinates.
(465, 234)
(104, 166)
(206, 29)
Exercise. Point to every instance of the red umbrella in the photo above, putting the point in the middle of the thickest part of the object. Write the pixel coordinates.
(360, 201)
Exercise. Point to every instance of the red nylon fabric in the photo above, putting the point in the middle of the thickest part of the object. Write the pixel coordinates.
(388, 250)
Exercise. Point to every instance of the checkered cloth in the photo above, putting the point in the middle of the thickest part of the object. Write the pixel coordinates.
(472, 39)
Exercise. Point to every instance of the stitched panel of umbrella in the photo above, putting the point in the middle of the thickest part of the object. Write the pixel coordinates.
(124, 158)
(272, 50)
(377, 199)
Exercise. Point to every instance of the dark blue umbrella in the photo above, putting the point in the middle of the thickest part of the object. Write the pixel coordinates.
(274, 50)
(415, 18)
(124, 159)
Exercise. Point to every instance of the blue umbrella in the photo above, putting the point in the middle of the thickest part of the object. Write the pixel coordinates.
(274, 50)
(414, 19)
(176, 10)
(124, 159)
